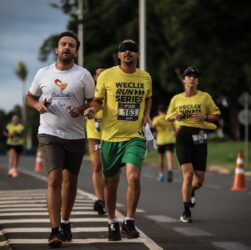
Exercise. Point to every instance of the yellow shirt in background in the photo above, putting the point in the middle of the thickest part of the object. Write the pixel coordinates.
(202, 102)
(165, 130)
(15, 132)
(124, 103)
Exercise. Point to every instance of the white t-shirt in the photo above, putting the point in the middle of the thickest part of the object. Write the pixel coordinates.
(64, 88)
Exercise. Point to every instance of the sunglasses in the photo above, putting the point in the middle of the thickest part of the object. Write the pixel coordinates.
(128, 46)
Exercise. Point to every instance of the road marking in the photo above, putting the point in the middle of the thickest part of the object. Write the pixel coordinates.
(191, 231)
(162, 218)
(40, 201)
(47, 229)
(46, 213)
(21, 208)
(75, 241)
(231, 245)
(13, 221)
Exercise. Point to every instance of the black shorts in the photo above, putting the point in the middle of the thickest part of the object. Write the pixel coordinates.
(166, 147)
(61, 153)
(17, 148)
(188, 151)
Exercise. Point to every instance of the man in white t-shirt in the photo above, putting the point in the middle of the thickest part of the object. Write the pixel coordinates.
(61, 92)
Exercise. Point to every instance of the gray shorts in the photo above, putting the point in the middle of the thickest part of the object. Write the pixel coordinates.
(61, 153)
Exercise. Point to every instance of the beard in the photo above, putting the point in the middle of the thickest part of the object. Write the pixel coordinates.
(66, 58)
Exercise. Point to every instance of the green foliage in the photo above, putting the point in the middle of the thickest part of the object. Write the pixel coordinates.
(211, 35)
(21, 70)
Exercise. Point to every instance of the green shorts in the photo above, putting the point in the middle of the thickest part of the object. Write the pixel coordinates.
(116, 154)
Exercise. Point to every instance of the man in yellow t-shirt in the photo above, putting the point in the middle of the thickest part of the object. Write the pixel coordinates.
(125, 91)
(93, 131)
(165, 137)
(14, 133)
(195, 112)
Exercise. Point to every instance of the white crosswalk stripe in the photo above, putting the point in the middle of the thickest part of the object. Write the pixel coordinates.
(24, 212)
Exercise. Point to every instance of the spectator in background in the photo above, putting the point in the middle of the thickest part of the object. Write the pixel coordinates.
(165, 137)
(15, 138)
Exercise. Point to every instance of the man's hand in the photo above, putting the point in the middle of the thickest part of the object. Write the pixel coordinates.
(73, 111)
(89, 113)
(40, 107)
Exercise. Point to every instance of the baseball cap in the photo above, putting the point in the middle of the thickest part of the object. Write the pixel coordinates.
(191, 71)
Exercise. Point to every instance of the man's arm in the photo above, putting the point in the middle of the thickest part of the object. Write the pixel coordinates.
(147, 118)
(95, 106)
(33, 102)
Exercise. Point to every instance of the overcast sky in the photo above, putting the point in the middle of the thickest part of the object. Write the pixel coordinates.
(24, 25)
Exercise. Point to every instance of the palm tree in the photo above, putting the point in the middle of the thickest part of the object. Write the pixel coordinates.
(21, 72)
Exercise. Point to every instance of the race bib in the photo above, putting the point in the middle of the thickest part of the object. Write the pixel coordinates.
(200, 138)
(128, 112)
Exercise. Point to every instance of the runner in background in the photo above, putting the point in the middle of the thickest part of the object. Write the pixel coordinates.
(93, 130)
(15, 133)
(165, 137)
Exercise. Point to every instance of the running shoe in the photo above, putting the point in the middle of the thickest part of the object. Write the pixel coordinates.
(128, 229)
(160, 178)
(186, 217)
(99, 206)
(113, 232)
(66, 231)
(13, 173)
(56, 239)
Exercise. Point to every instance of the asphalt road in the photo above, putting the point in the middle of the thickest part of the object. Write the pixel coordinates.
(221, 218)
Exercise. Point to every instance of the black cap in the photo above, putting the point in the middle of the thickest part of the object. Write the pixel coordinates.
(191, 71)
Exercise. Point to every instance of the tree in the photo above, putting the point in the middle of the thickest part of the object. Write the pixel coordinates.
(211, 35)
(21, 72)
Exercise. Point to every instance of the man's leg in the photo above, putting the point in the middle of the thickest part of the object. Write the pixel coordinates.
(53, 196)
(68, 193)
(97, 175)
(133, 193)
(111, 186)
(133, 189)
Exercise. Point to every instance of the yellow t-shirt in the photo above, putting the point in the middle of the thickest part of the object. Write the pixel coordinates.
(93, 126)
(165, 130)
(201, 102)
(124, 103)
(15, 137)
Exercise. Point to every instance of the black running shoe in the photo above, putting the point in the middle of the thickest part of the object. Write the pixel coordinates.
(66, 231)
(128, 229)
(113, 232)
(186, 217)
(56, 239)
(99, 206)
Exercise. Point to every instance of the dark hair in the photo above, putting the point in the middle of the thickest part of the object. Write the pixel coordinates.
(70, 34)
(162, 108)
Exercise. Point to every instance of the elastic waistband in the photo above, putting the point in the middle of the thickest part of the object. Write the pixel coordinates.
(191, 130)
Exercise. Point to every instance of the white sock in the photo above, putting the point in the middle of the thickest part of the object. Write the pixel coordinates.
(114, 220)
(65, 221)
(128, 218)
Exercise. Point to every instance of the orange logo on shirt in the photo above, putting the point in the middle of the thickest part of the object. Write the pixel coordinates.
(61, 85)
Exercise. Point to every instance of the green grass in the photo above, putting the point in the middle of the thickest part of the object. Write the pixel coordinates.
(221, 154)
